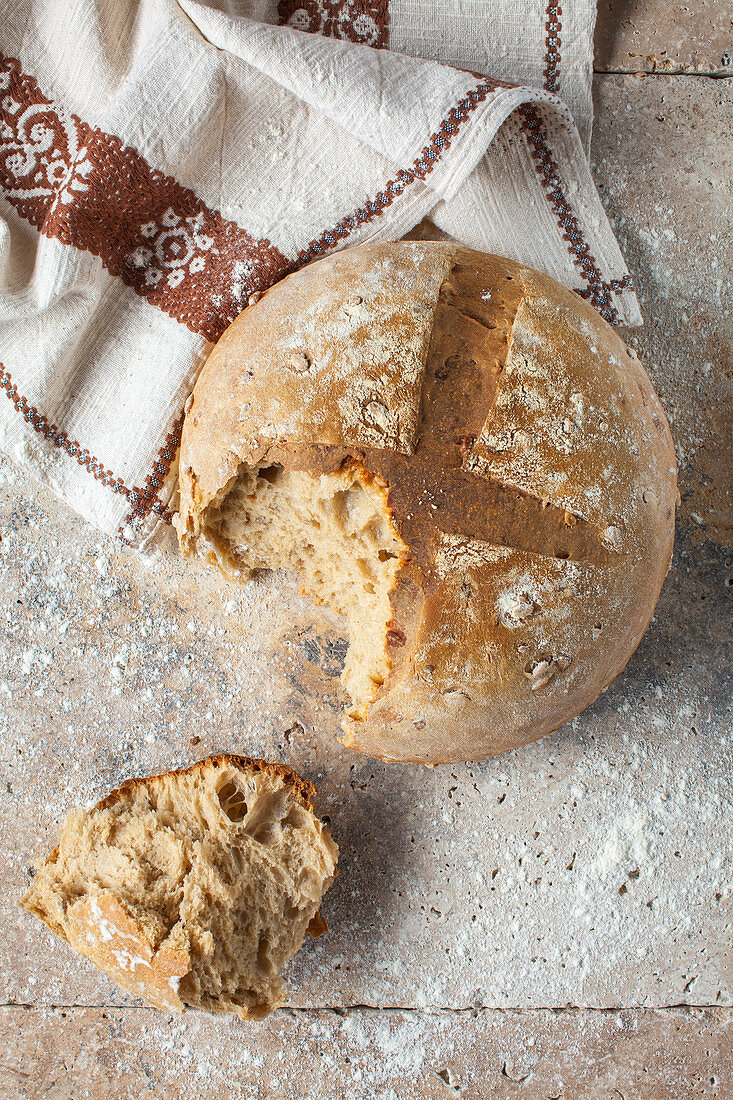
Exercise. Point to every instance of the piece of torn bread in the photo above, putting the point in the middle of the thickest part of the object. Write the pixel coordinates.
(192, 889)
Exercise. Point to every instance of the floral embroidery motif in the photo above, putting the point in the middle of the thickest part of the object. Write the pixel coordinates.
(363, 21)
(43, 150)
(177, 248)
(86, 189)
(83, 187)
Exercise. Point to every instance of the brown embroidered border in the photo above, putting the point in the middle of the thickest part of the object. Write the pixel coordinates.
(148, 499)
(421, 167)
(615, 286)
(85, 188)
(620, 284)
(598, 292)
(142, 501)
(362, 21)
(60, 439)
(553, 27)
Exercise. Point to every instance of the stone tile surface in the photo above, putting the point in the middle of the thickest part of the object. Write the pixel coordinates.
(663, 160)
(99, 1053)
(665, 36)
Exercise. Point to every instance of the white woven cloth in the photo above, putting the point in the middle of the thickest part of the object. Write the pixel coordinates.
(163, 161)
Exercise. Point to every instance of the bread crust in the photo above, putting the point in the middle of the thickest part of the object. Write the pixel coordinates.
(99, 928)
(303, 787)
(530, 472)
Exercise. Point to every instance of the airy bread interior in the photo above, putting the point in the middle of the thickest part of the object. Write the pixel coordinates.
(224, 863)
(335, 531)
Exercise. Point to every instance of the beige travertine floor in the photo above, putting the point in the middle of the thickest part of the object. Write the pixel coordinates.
(593, 869)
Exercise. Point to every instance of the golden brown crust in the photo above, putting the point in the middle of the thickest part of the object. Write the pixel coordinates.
(99, 928)
(303, 787)
(317, 926)
(530, 468)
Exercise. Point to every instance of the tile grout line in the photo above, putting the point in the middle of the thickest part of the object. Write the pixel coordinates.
(428, 1010)
(706, 75)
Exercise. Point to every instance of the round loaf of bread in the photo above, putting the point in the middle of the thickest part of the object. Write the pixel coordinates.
(459, 455)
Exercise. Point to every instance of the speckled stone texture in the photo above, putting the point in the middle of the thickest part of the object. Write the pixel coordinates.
(680, 1054)
(591, 869)
(665, 36)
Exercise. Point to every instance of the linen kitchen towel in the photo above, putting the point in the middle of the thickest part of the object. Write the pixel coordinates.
(164, 161)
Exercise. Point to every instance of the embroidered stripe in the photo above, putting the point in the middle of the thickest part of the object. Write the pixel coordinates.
(85, 188)
(553, 27)
(597, 292)
(148, 501)
(60, 439)
(363, 21)
(421, 167)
